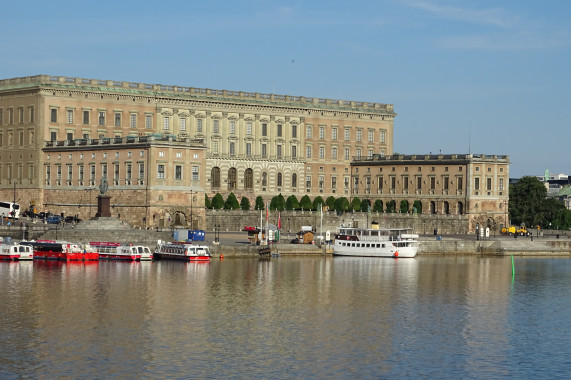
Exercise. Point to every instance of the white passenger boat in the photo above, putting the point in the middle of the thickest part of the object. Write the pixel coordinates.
(16, 252)
(181, 251)
(375, 242)
(118, 251)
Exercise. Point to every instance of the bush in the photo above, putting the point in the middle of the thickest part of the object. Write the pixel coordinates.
(292, 203)
(305, 203)
(245, 203)
(260, 203)
(231, 202)
(217, 202)
(316, 202)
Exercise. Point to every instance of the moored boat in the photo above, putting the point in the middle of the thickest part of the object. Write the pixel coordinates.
(181, 251)
(375, 242)
(116, 251)
(16, 252)
(65, 251)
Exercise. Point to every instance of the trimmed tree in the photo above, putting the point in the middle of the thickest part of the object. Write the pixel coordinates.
(391, 206)
(318, 200)
(207, 202)
(341, 204)
(217, 202)
(292, 203)
(378, 206)
(260, 203)
(330, 202)
(231, 202)
(245, 203)
(365, 205)
(305, 203)
(417, 207)
(356, 204)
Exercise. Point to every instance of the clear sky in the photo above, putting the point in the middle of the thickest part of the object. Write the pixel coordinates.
(479, 76)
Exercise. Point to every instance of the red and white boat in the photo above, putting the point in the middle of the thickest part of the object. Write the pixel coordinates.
(16, 252)
(116, 251)
(65, 251)
(181, 251)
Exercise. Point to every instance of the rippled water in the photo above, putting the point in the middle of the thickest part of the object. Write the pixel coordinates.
(430, 317)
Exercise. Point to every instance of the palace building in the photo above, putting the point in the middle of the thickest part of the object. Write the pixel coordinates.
(163, 148)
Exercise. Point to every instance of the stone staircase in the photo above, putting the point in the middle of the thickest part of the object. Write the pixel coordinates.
(106, 229)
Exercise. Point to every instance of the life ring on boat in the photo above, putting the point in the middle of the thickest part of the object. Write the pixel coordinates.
(396, 254)
(348, 237)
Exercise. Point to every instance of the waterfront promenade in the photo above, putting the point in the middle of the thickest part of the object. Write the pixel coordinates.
(236, 244)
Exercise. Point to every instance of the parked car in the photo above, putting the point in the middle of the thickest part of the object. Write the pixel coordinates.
(54, 219)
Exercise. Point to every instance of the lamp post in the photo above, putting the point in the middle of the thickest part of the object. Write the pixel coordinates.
(192, 192)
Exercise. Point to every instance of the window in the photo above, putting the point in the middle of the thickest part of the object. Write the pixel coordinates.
(446, 182)
(86, 117)
(199, 125)
(334, 153)
(279, 151)
(104, 170)
(383, 136)
(346, 183)
(101, 118)
(141, 171)
(232, 148)
(248, 149)
(279, 179)
(1, 116)
(500, 184)
(459, 182)
(178, 172)
(264, 150)
(81, 173)
(69, 119)
(32, 117)
(308, 132)
(308, 181)
(161, 171)
(53, 115)
(334, 134)
(347, 153)
(166, 123)
(133, 122)
(92, 172)
(293, 151)
(178, 154)
(279, 130)
(264, 129)
(20, 138)
(216, 126)
(161, 153)
(195, 173)
(321, 182)
(248, 128)
(294, 131)
(321, 133)
(333, 182)
(321, 152)
(347, 134)
(371, 136)
(233, 127)
(10, 118)
(358, 153)
(418, 183)
(69, 136)
(359, 135)
(183, 124)
(370, 153)
(215, 147)
(488, 184)
(117, 119)
(20, 117)
(264, 179)
(308, 151)
(53, 136)
(148, 121)
(294, 180)
(69, 172)
(116, 172)
(129, 171)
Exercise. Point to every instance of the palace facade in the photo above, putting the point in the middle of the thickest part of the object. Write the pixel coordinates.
(163, 148)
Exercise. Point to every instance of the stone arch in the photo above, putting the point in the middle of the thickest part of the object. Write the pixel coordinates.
(460, 208)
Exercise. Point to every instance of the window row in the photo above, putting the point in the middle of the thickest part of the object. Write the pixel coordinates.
(17, 115)
(347, 134)
(101, 118)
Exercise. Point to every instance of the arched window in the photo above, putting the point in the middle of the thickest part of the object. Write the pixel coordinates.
(264, 179)
(460, 208)
(232, 176)
(279, 180)
(248, 179)
(215, 177)
(446, 208)
(294, 180)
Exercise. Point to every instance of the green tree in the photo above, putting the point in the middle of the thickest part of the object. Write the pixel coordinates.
(391, 206)
(317, 201)
(341, 204)
(245, 203)
(305, 203)
(231, 202)
(217, 202)
(207, 202)
(260, 203)
(356, 204)
(330, 202)
(365, 205)
(417, 207)
(292, 203)
(378, 206)
(528, 204)
(277, 202)
(404, 206)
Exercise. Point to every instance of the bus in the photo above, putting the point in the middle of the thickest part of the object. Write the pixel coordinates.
(9, 210)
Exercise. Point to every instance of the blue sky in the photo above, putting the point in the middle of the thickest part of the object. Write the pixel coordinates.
(490, 77)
